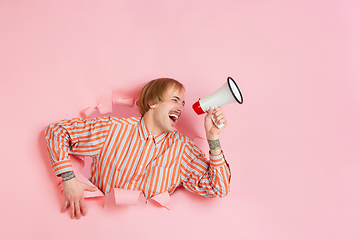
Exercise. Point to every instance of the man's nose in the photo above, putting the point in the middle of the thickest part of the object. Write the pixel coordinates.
(180, 108)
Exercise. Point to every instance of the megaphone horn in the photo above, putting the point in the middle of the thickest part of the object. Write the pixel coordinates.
(228, 93)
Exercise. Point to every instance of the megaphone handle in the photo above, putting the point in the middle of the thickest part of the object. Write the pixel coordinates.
(219, 126)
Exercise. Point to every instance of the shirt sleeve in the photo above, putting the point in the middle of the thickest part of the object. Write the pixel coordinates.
(77, 136)
(207, 178)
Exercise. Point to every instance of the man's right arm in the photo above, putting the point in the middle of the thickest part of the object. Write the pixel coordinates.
(76, 136)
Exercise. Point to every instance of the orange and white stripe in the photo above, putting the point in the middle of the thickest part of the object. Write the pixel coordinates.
(126, 155)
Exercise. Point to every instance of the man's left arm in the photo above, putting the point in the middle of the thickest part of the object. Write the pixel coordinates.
(210, 179)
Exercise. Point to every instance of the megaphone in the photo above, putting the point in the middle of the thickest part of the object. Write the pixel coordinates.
(228, 93)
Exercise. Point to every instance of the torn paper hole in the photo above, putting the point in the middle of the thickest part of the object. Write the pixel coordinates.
(104, 104)
(126, 197)
(87, 112)
(122, 197)
(127, 102)
(77, 162)
(163, 199)
(103, 109)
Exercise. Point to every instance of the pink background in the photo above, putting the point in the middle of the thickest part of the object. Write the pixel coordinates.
(292, 146)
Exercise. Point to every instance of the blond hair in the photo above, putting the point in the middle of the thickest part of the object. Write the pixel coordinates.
(154, 92)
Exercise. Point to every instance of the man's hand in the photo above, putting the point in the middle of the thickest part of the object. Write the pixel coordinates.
(73, 194)
(213, 132)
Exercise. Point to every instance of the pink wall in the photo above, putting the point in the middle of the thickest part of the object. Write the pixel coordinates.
(292, 145)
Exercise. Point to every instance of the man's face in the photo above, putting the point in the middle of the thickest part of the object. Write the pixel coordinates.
(168, 112)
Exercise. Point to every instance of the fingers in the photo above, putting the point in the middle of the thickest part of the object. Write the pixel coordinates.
(72, 210)
(209, 112)
(65, 205)
(90, 188)
(77, 210)
(219, 116)
(83, 207)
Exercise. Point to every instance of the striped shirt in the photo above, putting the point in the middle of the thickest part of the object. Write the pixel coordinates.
(125, 155)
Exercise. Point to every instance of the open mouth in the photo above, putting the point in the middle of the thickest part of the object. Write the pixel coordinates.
(174, 117)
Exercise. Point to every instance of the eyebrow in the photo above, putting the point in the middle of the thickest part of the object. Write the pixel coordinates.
(178, 99)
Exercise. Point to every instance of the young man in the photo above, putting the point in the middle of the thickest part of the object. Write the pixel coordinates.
(140, 153)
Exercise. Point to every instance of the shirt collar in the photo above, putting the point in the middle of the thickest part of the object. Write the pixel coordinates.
(145, 133)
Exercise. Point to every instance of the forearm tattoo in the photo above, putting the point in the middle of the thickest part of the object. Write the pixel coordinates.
(67, 176)
(214, 144)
